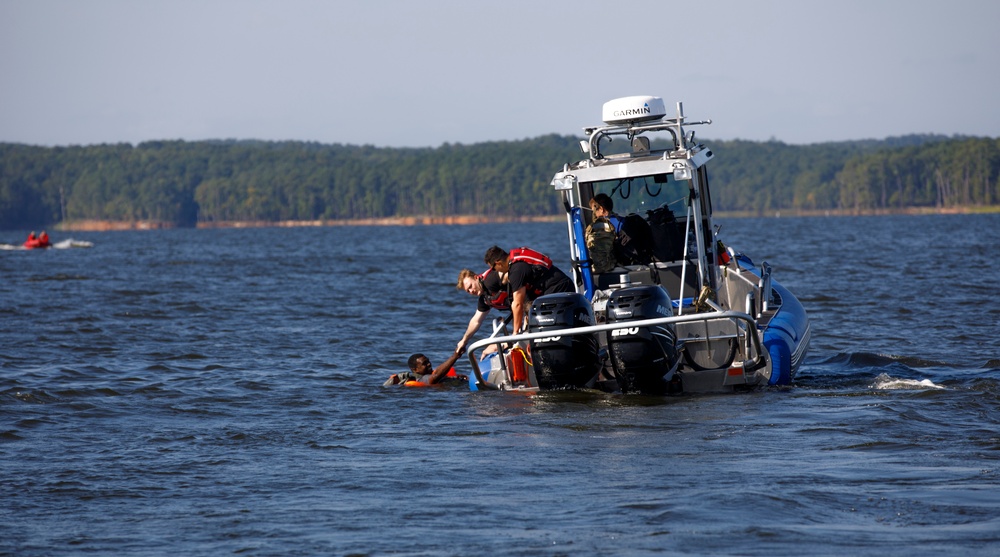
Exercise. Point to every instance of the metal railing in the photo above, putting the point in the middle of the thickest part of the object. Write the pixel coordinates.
(749, 330)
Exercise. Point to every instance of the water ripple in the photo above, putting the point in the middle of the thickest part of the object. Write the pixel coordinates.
(221, 393)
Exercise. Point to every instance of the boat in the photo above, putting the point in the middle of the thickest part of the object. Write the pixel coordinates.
(35, 245)
(37, 242)
(694, 316)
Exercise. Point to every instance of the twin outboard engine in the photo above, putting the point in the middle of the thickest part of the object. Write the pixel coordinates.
(566, 361)
(644, 358)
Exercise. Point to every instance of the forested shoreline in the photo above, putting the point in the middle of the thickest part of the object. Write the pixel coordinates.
(216, 183)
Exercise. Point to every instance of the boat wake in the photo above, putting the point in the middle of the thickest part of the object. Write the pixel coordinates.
(867, 371)
(71, 243)
(885, 382)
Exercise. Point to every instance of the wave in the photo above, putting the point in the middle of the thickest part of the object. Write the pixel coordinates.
(872, 359)
(71, 243)
(888, 372)
(885, 382)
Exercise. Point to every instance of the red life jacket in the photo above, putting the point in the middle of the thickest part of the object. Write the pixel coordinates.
(531, 256)
(497, 299)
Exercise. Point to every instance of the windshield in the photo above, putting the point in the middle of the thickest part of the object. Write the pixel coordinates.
(645, 193)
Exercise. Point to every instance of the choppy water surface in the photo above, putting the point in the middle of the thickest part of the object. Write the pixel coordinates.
(217, 392)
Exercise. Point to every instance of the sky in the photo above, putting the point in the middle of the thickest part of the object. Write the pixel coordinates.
(422, 73)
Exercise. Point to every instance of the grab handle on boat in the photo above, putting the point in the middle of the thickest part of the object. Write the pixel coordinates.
(499, 328)
(765, 286)
(684, 261)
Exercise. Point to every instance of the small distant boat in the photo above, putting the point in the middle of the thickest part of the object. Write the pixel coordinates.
(695, 316)
(37, 242)
(34, 244)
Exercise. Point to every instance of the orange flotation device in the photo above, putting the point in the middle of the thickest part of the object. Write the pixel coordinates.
(518, 361)
(412, 383)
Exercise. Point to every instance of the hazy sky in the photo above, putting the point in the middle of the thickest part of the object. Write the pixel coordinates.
(426, 72)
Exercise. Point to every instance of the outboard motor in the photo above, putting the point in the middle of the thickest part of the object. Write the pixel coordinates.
(564, 361)
(644, 358)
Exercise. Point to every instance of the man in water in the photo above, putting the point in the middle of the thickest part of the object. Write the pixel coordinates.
(422, 372)
(530, 274)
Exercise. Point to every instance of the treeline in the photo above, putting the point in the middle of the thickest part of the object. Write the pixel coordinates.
(184, 183)
(912, 171)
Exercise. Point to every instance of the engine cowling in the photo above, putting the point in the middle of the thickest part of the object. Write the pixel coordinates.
(563, 361)
(644, 358)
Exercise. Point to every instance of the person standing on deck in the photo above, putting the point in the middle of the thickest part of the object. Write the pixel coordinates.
(601, 234)
(603, 206)
(530, 274)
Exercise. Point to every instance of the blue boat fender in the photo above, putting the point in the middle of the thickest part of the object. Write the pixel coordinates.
(778, 345)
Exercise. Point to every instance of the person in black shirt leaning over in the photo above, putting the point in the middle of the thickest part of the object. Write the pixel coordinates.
(530, 274)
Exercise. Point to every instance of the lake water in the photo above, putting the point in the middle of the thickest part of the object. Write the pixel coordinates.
(210, 392)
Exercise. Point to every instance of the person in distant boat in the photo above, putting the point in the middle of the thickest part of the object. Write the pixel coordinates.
(43, 239)
(422, 374)
(530, 274)
(492, 294)
(34, 241)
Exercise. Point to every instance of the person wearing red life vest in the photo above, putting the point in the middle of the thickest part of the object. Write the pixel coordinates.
(488, 287)
(530, 274)
(421, 371)
(40, 241)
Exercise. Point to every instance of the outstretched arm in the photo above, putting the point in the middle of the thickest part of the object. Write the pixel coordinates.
(442, 370)
(474, 324)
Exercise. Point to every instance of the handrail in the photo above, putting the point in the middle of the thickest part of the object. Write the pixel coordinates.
(672, 125)
(684, 262)
(572, 331)
(502, 326)
(765, 287)
(628, 131)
